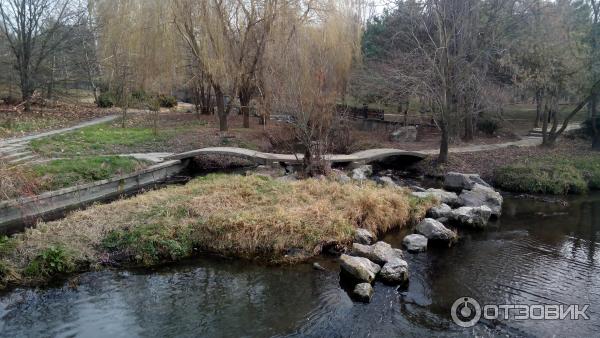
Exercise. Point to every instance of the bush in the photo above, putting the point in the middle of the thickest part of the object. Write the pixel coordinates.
(541, 178)
(342, 140)
(488, 125)
(11, 100)
(167, 101)
(140, 96)
(106, 100)
(54, 260)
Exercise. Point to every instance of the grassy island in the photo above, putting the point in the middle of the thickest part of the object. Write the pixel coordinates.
(249, 217)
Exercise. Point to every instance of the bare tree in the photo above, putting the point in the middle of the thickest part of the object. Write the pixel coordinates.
(34, 29)
(308, 80)
(436, 51)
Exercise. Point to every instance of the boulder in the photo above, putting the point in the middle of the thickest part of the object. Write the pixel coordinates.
(407, 134)
(443, 196)
(364, 236)
(482, 195)
(340, 176)
(415, 243)
(318, 267)
(416, 188)
(476, 217)
(362, 173)
(380, 252)
(440, 211)
(359, 268)
(436, 231)
(386, 181)
(363, 292)
(394, 272)
(458, 182)
(287, 178)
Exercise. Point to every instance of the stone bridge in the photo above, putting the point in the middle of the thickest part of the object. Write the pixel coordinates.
(362, 157)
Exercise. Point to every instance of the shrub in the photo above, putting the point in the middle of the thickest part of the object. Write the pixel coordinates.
(106, 100)
(342, 140)
(542, 178)
(167, 101)
(54, 260)
(11, 100)
(140, 96)
(488, 125)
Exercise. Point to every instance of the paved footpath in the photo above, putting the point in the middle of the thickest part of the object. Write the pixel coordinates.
(16, 150)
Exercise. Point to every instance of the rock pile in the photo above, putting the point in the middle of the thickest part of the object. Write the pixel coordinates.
(369, 262)
(475, 201)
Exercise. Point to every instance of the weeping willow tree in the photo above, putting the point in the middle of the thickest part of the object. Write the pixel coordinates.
(138, 47)
(306, 81)
(202, 26)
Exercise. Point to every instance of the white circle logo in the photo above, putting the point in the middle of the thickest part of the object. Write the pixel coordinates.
(466, 312)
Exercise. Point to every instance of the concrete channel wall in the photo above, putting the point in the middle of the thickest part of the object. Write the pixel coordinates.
(16, 214)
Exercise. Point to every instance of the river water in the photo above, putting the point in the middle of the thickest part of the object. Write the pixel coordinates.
(536, 254)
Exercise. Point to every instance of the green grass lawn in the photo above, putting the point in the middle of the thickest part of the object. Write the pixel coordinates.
(99, 139)
(15, 127)
(58, 174)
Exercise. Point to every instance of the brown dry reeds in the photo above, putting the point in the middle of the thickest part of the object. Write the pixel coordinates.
(240, 216)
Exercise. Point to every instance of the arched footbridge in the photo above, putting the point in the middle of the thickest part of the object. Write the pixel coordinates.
(361, 157)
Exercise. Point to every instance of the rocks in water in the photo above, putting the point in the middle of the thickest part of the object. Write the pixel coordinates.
(318, 267)
(457, 182)
(436, 231)
(440, 211)
(476, 217)
(394, 272)
(363, 292)
(380, 252)
(362, 173)
(408, 133)
(364, 236)
(415, 243)
(360, 268)
(443, 196)
(481, 195)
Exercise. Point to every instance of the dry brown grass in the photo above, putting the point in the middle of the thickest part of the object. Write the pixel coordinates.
(16, 182)
(241, 216)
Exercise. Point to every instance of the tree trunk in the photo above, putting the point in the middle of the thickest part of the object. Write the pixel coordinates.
(596, 142)
(245, 107)
(221, 111)
(26, 95)
(443, 156)
(469, 127)
(594, 120)
(538, 109)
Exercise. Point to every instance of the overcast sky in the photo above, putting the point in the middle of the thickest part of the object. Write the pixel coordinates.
(380, 5)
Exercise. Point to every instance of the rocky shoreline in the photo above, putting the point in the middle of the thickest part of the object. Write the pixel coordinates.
(466, 202)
